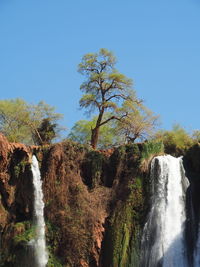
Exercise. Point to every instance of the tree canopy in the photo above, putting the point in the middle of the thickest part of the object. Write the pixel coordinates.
(104, 89)
(26, 123)
(140, 122)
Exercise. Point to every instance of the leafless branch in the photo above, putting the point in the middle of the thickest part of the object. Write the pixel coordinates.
(113, 118)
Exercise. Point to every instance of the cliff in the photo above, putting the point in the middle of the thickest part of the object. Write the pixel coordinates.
(96, 203)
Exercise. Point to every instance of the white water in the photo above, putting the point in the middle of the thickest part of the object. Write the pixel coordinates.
(163, 242)
(39, 240)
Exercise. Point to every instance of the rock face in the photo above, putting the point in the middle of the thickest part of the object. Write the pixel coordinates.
(192, 167)
(13, 171)
(15, 194)
(95, 204)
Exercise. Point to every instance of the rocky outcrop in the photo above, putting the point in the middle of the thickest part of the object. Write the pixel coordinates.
(13, 160)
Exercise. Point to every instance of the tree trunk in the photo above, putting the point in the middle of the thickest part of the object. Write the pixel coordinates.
(36, 137)
(95, 137)
(95, 131)
(132, 139)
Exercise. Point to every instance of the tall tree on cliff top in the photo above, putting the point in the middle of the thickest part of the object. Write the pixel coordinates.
(104, 90)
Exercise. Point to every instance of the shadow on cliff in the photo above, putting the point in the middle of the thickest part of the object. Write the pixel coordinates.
(191, 162)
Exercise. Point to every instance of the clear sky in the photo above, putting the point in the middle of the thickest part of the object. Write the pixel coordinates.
(157, 44)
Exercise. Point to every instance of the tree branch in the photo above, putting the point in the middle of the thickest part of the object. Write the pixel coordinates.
(90, 70)
(113, 118)
(111, 86)
(117, 95)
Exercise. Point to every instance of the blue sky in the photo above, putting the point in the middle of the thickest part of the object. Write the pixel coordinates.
(157, 44)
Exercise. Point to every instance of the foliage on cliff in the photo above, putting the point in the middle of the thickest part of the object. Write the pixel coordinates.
(177, 141)
(121, 244)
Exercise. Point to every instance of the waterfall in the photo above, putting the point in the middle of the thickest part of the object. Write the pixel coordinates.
(39, 243)
(163, 242)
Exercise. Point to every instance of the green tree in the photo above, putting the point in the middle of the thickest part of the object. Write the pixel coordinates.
(22, 122)
(13, 113)
(43, 115)
(140, 122)
(46, 132)
(104, 89)
(81, 133)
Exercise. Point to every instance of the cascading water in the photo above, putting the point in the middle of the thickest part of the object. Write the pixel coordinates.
(163, 243)
(39, 243)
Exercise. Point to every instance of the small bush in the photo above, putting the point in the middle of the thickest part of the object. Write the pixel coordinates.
(26, 232)
(149, 151)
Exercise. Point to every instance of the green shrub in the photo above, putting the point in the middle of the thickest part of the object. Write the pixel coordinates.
(150, 150)
(27, 232)
(53, 261)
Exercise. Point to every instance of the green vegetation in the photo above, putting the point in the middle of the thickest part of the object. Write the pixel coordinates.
(139, 124)
(27, 123)
(104, 89)
(118, 116)
(46, 132)
(26, 232)
(81, 133)
(196, 136)
(121, 245)
(124, 230)
(15, 249)
(52, 237)
(53, 261)
(87, 191)
(19, 167)
(93, 167)
(177, 141)
(149, 150)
